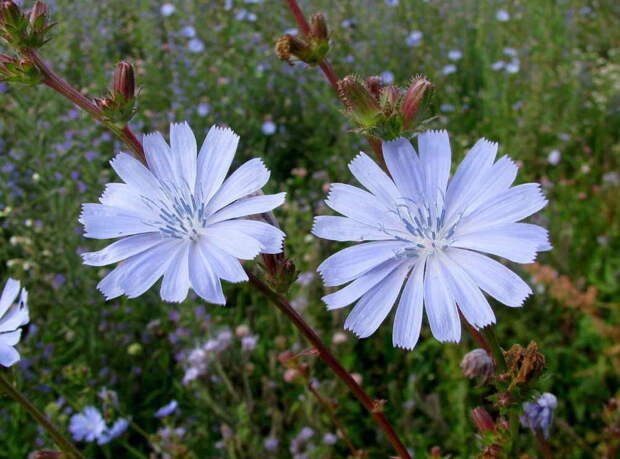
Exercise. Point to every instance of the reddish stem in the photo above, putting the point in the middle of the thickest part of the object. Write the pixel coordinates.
(373, 407)
(62, 87)
(299, 16)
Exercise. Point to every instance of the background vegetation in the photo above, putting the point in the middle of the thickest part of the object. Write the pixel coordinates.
(553, 106)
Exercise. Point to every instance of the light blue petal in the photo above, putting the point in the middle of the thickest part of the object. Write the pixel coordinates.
(352, 292)
(439, 304)
(224, 265)
(518, 242)
(352, 262)
(469, 298)
(372, 309)
(232, 240)
(408, 319)
(9, 294)
(214, 160)
(249, 178)
(492, 277)
(435, 156)
(184, 156)
(405, 167)
(135, 174)
(159, 157)
(512, 205)
(122, 249)
(346, 229)
(204, 281)
(248, 206)
(468, 177)
(11, 338)
(360, 205)
(269, 237)
(175, 284)
(105, 222)
(8, 355)
(374, 179)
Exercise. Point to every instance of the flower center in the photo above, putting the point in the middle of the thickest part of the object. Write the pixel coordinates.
(180, 213)
(424, 228)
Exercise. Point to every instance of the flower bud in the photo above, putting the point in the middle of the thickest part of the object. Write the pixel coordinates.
(10, 14)
(374, 85)
(362, 107)
(318, 27)
(38, 17)
(389, 99)
(478, 364)
(483, 420)
(19, 71)
(413, 97)
(124, 82)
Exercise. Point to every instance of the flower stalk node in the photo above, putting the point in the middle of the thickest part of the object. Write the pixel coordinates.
(119, 106)
(378, 406)
(19, 71)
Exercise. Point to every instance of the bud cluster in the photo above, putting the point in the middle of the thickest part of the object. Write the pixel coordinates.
(119, 106)
(384, 112)
(280, 271)
(311, 48)
(19, 71)
(24, 29)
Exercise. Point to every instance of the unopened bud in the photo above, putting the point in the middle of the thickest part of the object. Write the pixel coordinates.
(389, 99)
(38, 17)
(483, 420)
(318, 27)
(124, 82)
(10, 14)
(362, 107)
(374, 85)
(415, 93)
(19, 71)
(478, 364)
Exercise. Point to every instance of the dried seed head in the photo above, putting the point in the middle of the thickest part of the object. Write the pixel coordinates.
(524, 364)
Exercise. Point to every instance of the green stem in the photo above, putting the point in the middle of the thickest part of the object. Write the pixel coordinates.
(58, 437)
(514, 431)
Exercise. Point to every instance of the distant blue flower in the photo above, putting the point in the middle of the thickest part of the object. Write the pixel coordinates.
(498, 65)
(195, 45)
(426, 231)
(538, 415)
(181, 218)
(387, 77)
(554, 157)
(119, 427)
(269, 128)
(414, 38)
(167, 9)
(188, 32)
(455, 55)
(12, 317)
(502, 16)
(391, 2)
(513, 66)
(87, 425)
(448, 69)
(167, 410)
(203, 109)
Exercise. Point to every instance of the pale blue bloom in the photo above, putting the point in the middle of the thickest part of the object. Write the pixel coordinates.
(195, 45)
(269, 128)
(498, 65)
(502, 16)
(167, 9)
(203, 109)
(414, 38)
(426, 232)
(391, 2)
(455, 55)
(188, 32)
(87, 425)
(387, 77)
(554, 157)
(449, 69)
(181, 218)
(167, 410)
(12, 317)
(538, 415)
(117, 429)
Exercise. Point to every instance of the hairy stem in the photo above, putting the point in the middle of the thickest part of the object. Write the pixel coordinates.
(62, 442)
(53, 81)
(330, 74)
(372, 406)
(496, 350)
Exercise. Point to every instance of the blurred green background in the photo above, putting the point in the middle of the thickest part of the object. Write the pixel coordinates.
(541, 77)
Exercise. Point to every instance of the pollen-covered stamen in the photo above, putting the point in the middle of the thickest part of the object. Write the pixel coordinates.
(179, 214)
